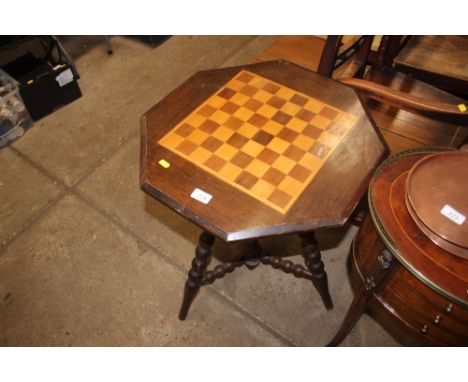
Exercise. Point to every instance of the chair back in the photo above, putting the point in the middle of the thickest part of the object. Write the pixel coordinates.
(341, 60)
(347, 63)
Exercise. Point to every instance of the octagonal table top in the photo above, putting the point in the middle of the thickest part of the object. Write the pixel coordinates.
(259, 150)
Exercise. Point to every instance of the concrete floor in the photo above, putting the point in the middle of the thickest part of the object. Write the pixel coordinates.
(86, 258)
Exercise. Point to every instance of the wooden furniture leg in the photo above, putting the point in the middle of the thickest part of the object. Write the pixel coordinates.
(359, 213)
(313, 260)
(380, 276)
(199, 276)
(195, 275)
(358, 305)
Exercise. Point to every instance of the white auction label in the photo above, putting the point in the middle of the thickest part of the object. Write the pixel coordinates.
(453, 214)
(65, 77)
(201, 196)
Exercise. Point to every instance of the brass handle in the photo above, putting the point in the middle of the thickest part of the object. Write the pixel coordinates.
(437, 319)
(449, 309)
(424, 329)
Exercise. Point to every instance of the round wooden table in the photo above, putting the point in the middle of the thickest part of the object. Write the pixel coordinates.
(401, 272)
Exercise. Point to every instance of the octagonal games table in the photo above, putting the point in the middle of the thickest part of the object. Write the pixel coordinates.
(259, 150)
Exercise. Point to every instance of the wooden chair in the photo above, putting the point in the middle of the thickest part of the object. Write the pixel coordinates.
(306, 51)
(340, 60)
(409, 113)
(441, 61)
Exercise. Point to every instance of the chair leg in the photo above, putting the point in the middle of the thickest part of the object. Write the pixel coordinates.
(195, 275)
(313, 260)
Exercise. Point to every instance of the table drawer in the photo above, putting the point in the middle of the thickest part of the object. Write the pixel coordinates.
(418, 307)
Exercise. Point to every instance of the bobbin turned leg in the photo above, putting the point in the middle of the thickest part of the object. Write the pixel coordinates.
(195, 275)
(313, 260)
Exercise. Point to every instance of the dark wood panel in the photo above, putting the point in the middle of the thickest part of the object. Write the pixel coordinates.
(439, 60)
(398, 143)
(301, 50)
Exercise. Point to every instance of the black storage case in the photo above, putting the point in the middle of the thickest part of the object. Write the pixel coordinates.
(36, 62)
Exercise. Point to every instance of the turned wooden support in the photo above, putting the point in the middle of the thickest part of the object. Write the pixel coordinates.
(197, 272)
(287, 266)
(360, 212)
(252, 253)
(313, 260)
(220, 271)
(251, 258)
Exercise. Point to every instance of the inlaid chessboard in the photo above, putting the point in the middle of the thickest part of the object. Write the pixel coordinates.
(260, 137)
